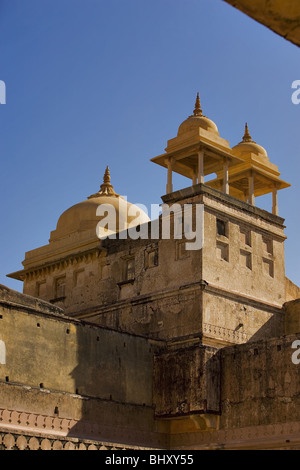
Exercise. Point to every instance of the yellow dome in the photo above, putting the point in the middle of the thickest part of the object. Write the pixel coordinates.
(83, 216)
(249, 146)
(196, 121)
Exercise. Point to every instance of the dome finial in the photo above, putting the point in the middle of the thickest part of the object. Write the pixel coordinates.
(198, 110)
(106, 177)
(106, 189)
(247, 137)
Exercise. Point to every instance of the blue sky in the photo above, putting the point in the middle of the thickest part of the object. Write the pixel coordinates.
(92, 83)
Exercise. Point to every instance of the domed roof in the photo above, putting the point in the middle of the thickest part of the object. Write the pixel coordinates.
(249, 146)
(197, 120)
(83, 216)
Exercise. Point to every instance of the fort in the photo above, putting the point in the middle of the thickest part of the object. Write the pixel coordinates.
(122, 343)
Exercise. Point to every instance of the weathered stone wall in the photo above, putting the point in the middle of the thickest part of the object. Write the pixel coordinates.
(72, 377)
(63, 380)
(67, 355)
(42, 411)
(260, 383)
(259, 399)
(292, 290)
(87, 278)
(249, 258)
(292, 317)
(186, 381)
(162, 315)
(232, 318)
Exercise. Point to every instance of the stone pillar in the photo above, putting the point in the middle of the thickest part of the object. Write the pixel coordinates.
(275, 202)
(195, 177)
(225, 177)
(170, 170)
(251, 198)
(201, 167)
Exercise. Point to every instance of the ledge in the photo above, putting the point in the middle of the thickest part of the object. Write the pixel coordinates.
(199, 189)
(16, 299)
(124, 283)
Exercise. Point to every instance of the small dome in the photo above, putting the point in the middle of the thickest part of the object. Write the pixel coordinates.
(248, 145)
(83, 216)
(197, 120)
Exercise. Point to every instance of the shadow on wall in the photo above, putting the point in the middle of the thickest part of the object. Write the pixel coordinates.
(113, 385)
(274, 327)
(123, 382)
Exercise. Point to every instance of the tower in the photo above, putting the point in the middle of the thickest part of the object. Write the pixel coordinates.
(227, 291)
(241, 264)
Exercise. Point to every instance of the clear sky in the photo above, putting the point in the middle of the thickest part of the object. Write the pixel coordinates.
(91, 83)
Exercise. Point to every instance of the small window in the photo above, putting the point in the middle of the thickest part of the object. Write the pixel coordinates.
(129, 269)
(268, 267)
(181, 251)
(151, 258)
(245, 236)
(41, 289)
(267, 245)
(79, 277)
(60, 287)
(245, 259)
(222, 251)
(221, 228)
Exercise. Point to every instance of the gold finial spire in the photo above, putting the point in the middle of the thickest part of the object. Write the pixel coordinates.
(106, 177)
(198, 110)
(106, 189)
(247, 137)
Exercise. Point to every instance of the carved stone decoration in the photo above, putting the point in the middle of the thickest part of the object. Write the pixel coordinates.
(9, 441)
(33, 444)
(46, 444)
(57, 445)
(21, 443)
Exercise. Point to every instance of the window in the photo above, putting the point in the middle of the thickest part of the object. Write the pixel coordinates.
(267, 245)
(60, 287)
(79, 277)
(41, 289)
(129, 269)
(246, 259)
(181, 251)
(222, 246)
(268, 267)
(245, 236)
(222, 251)
(221, 228)
(245, 248)
(151, 258)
